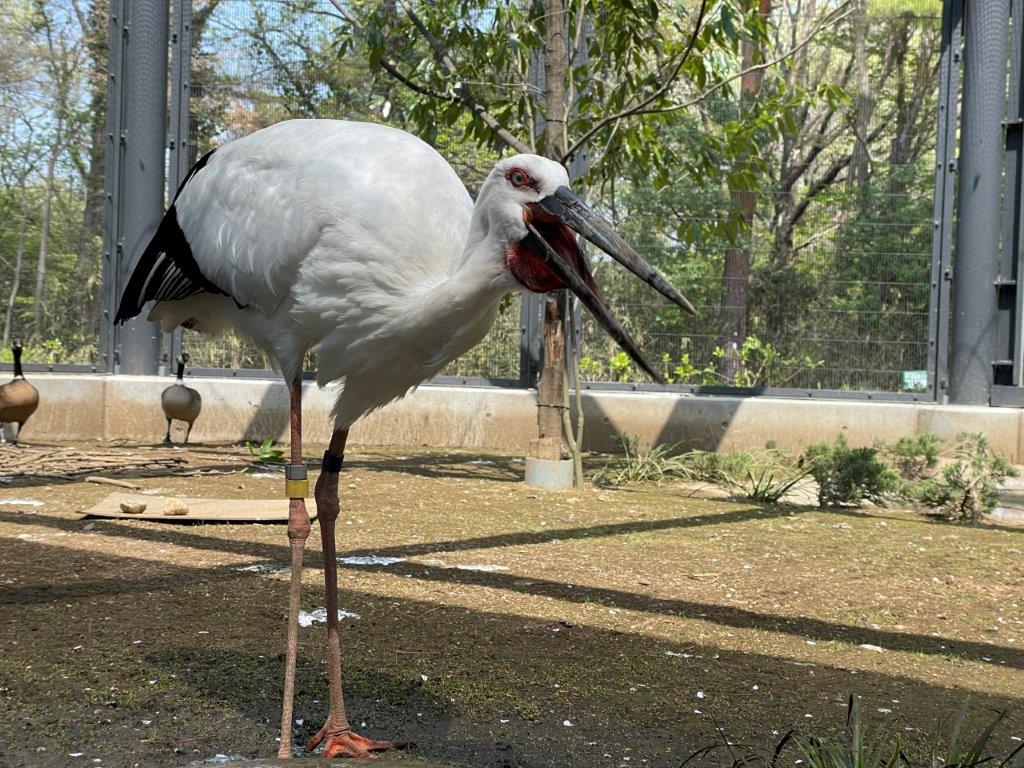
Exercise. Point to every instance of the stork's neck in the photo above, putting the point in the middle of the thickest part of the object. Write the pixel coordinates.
(459, 310)
(480, 277)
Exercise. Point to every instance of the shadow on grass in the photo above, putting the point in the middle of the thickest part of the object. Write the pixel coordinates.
(730, 616)
(500, 686)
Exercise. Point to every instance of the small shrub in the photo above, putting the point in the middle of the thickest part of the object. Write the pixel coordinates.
(914, 457)
(969, 485)
(847, 476)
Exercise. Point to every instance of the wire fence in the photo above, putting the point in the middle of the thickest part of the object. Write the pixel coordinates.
(824, 283)
(52, 114)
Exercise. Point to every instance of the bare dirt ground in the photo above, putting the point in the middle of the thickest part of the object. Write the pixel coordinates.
(513, 628)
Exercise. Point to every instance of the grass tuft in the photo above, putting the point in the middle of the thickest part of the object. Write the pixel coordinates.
(866, 745)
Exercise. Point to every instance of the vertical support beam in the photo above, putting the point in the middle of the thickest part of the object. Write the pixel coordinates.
(978, 222)
(529, 339)
(945, 185)
(136, 200)
(531, 320)
(1008, 365)
(1018, 210)
(112, 181)
(179, 149)
(177, 140)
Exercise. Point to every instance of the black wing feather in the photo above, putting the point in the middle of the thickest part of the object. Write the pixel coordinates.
(167, 270)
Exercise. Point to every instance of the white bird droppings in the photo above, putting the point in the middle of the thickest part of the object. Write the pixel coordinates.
(263, 568)
(370, 560)
(483, 567)
(319, 615)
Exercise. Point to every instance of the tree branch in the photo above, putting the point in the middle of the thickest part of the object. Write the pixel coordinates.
(389, 67)
(658, 93)
(833, 18)
(460, 94)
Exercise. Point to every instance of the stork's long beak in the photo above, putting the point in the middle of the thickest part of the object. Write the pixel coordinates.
(565, 206)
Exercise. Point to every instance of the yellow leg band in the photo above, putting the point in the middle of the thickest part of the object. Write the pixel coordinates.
(296, 489)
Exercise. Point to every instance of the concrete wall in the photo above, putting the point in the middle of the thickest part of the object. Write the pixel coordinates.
(75, 407)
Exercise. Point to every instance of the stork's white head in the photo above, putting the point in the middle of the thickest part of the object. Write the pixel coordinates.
(515, 185)
(528, 211)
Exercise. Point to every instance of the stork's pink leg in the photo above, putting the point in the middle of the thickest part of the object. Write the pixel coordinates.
(298, 532)
(340, 739)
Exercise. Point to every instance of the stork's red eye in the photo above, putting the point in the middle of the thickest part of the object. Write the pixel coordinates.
(519, 178)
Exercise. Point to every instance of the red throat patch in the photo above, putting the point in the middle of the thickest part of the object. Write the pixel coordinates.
(532, 271)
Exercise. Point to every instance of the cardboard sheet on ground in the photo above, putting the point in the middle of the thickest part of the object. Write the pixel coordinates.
(159, 508)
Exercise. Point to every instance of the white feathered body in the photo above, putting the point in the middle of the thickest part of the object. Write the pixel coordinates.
(346, 239)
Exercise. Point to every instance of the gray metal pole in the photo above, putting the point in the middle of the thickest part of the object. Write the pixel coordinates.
(945, 185)
(144, 126)
(976, 264)
(179, 149)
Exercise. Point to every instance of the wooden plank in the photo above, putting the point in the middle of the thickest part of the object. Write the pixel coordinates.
(206, 510)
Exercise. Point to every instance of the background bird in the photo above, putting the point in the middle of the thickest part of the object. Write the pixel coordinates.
(358, 242)
(18, 398)
(181, 402)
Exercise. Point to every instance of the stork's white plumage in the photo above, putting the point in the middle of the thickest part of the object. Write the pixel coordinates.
(344, 238)
(359, 242)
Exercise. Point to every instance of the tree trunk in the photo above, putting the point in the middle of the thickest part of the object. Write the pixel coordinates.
(95, 37)
(859, 170)
(44, 238)
(18, 259)
(551, 386)
(736, 270)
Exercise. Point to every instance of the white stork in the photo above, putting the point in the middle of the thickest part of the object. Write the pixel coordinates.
(358, 242)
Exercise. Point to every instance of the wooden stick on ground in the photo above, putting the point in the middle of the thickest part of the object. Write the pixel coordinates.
(112, 481)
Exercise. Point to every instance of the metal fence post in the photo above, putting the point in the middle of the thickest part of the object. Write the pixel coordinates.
(136, 194)
(1008, 372)
(976, 268)
(529, 339)
(945, 184)
(179, 149)
(112, 182)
